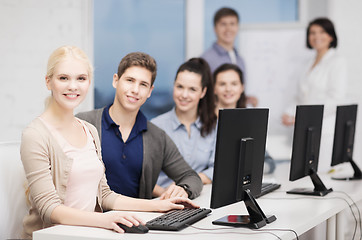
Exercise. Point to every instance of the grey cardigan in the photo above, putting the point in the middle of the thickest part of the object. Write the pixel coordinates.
(159, 153)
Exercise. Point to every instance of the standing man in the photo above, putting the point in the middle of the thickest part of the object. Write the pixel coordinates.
(134, 150)
(226, 27)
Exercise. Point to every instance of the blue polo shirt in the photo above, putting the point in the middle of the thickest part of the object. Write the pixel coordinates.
(123, 160)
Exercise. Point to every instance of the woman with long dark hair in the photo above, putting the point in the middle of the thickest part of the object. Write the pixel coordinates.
(191, 123)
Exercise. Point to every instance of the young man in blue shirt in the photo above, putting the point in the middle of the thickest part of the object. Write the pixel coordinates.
(134, 150)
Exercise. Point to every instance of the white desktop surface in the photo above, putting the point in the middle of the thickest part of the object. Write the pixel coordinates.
(296, 212)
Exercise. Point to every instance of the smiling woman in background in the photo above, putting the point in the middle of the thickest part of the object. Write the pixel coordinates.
(230, 93)
(229, 87)
(324, 82)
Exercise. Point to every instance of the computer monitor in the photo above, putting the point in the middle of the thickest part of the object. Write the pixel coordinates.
(344, 139)
(305, 151)
(239, 161)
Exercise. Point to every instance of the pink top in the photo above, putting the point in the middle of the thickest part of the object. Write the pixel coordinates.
(86, 171)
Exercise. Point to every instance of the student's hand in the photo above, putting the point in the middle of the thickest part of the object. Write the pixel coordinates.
(158, 190)
(205, 179)
(174, 191)
(175, 203)
(288, 120)
(252, 100)
(109, 220)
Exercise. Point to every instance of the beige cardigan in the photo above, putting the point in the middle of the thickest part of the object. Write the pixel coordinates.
(47, 169)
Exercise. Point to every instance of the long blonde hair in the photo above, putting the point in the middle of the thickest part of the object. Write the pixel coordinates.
(62, 53)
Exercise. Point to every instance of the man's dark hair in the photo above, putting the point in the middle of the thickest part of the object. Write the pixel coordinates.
(139, 59)
(224, 12)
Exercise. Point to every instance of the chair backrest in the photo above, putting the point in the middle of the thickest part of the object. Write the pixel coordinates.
(13, 205)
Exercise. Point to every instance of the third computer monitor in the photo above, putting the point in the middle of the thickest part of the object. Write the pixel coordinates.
(239, 161)
(343, 142)
(305, 152)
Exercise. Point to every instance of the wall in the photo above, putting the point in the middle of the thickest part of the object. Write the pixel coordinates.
(124, 26)
(29, 31)
(12, 192)
(348, 20)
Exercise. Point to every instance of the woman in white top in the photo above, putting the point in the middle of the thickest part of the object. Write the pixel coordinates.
(324, 82)
(62, 159)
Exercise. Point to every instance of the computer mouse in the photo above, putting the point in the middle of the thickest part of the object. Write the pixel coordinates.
(134, 229)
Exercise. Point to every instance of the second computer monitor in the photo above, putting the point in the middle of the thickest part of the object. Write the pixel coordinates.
(239, 161)
(305, 152)
(343, 142)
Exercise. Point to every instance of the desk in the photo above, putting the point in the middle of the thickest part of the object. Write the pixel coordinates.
(300, 213)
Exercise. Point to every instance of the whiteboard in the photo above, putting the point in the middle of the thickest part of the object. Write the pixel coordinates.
(274, 60)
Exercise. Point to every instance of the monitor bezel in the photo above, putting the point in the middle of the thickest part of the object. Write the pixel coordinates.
(238, 168)
(305, 151)
(344, 137)
(231, 122)
(307, 118)
(344, 114)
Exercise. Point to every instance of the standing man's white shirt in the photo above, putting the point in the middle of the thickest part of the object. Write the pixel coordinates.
(232, 56)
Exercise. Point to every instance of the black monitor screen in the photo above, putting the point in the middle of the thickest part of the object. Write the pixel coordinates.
(239, 161)
(344, 134)
(306, 140)
(343, 142)
(306, 144)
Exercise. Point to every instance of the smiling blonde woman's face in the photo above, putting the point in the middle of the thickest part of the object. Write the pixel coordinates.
(69, 83)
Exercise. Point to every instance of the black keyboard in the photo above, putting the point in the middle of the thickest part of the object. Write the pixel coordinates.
(267, 188)
(176, 220)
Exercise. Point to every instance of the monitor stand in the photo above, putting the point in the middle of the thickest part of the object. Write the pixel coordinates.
(319, 188)
(256, 218)
(357, 173)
